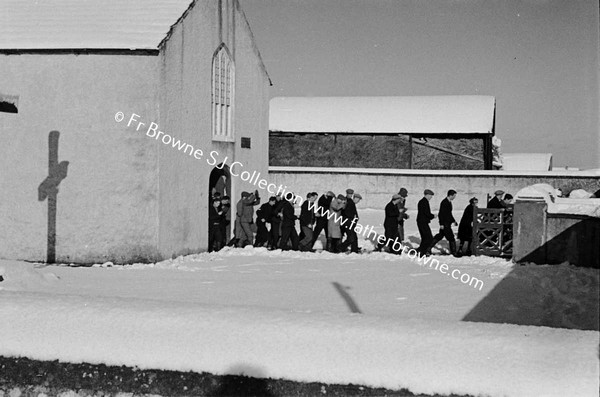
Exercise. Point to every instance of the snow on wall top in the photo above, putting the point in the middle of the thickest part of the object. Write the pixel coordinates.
(466, 114)
(87, 24)
(557, 204)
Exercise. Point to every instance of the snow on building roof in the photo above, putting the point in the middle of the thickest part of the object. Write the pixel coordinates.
(465, 114)
(87, 24)
(527, 161)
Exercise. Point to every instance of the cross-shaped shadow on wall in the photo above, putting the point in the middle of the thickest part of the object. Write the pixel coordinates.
(48, 189)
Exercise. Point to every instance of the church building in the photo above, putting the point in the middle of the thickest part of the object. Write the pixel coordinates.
(118, 120)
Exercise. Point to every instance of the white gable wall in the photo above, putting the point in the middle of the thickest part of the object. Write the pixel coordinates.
(107, 205)
(185, 113)
(127, 197)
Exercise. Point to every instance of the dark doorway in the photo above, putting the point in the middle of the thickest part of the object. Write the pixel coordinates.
(219, 182)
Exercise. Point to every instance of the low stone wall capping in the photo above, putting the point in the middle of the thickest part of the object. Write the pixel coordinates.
(377, 185)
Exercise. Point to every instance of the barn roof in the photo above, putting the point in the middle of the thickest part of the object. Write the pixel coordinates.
(465, 114)
(87, 24)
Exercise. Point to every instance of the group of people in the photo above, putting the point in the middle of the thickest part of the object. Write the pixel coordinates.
(278, 214)
(446, 221)
(336, 216)
(275, 225)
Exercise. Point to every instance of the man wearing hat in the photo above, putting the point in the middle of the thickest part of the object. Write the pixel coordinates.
(390, 223)
(321, 220)
(263, 216)
(245, 214)
(496, 201)
(275, 232)
(307, 220)
(446, 221)
(403, 193)
(424, 216)
(288, 223)
(351, 216)
(335, 222)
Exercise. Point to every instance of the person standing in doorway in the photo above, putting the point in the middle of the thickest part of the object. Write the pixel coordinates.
(225, 219)
(214, 226)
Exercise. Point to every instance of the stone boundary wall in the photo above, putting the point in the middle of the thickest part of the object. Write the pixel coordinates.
(377, 185)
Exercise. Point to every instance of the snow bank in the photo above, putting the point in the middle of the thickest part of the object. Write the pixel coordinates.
(586, 207)
(423, 356)
(276, 315)
(21, 276)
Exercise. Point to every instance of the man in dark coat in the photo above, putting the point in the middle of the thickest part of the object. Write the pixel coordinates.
(390, 223)
(321, 220)
(263, 216)
(446, 220)
(350, 214)
(288, 224)
(307, 220)
(214, 226)
(275, 232)
(497, 202)
(225, 219)
(465, 227)
(424, 216)
(403, 215)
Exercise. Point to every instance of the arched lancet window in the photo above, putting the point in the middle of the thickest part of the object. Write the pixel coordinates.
(222, 94)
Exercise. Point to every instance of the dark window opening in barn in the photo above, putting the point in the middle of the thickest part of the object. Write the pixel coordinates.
(222, 94)
(9, 103)
(246, 142)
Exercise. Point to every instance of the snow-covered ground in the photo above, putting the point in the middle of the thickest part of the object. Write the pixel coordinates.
(293, 315)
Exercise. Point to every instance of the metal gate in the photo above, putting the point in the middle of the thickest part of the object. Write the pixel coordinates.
(493, 231)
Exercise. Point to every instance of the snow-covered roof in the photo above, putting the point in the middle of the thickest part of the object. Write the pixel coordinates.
(87, 24)
(527, 161)
(464, 114)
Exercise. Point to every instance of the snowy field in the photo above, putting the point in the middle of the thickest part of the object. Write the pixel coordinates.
(296, 316)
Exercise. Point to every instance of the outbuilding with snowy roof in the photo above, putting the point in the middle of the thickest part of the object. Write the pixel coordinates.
(119, 120)
(419, 132)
